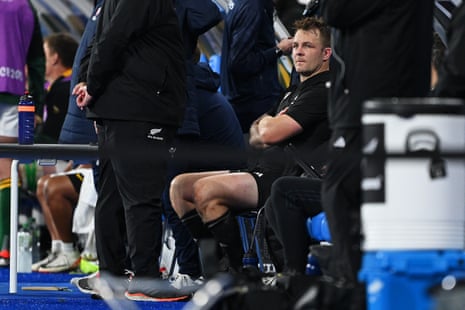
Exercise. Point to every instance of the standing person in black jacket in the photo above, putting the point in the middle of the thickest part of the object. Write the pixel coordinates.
(136, 93)
(381, 49)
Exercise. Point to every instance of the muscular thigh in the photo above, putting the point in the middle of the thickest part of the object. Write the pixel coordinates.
(184, 182)
(61, 185)
(237, 191)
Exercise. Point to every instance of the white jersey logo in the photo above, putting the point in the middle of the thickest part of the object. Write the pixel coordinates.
(153, 134)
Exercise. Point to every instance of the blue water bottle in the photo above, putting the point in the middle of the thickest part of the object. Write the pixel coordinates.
(318, 228)
(26, 111)
(313, 267)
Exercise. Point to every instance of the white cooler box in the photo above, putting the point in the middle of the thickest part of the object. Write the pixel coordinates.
(413, 176)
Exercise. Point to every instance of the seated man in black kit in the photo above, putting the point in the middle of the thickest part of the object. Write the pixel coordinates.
(293, 200)
(204, 201)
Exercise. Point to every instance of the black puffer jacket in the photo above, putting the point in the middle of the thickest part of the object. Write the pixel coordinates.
(136, 68)
(385, 48)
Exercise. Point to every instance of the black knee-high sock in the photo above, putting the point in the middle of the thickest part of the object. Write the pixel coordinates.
(195, 226)
(226, 231)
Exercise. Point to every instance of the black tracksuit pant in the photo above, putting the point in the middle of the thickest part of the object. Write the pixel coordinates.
(341, 199)
(133, 157)
(293, 200)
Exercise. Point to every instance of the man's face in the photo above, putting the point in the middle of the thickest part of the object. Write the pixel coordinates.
(308, 52)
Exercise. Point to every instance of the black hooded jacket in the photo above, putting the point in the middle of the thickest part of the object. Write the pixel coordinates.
(382, 49)
(136, 68)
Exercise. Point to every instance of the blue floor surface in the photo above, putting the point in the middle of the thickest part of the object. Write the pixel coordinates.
(70, 298)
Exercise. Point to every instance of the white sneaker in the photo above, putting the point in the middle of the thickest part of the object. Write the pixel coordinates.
(62, 262)
(183, 281)
(87, 284)
(4, 262)
(44, 261)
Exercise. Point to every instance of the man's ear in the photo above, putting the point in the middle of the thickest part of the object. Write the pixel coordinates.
(55, 59)
(327, 53)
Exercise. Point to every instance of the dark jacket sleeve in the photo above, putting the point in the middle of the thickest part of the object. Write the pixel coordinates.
(36, 66)
(113, 40)
(202, 15)
(245, 55)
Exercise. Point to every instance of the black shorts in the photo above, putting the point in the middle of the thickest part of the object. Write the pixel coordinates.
(264, 181)
(76, 180)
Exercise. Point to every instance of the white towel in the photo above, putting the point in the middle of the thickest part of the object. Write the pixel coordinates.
(83, 218)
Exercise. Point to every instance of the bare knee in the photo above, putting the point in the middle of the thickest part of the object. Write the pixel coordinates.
(60, 188)
(200, 194)
(206, 199)
(52, 189)
(178, 187)
(42, 187)
(181, 195)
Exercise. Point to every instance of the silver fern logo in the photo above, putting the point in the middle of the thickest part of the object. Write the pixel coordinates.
(153, 134)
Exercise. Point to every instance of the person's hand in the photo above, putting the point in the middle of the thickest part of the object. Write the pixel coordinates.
(254, 136)
(82, 96)
(285, 45)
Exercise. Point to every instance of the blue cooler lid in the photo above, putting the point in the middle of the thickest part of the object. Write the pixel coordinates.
(407, 107)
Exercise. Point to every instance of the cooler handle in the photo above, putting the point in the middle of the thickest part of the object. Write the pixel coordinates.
(426, 141)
